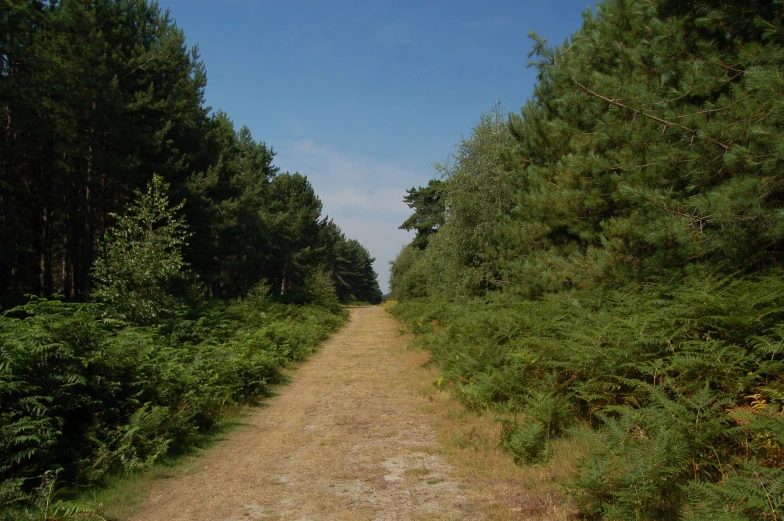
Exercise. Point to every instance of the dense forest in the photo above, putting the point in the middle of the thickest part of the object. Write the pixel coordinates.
(155, 266)
(608, 262)
(99, 96)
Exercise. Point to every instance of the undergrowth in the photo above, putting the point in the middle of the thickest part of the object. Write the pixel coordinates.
(683, 383)
(84, 397)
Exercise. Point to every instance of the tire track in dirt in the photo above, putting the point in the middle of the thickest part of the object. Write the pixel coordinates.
(347, 439)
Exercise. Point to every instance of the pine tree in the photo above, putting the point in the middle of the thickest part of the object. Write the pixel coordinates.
(636, 267)
(104, 94)
(292, 211)
(229, 248)
(428, 213)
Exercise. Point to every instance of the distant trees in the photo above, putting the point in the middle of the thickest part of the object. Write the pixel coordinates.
(465, 207)
(354, 277)
(293, 210)
(96, 97)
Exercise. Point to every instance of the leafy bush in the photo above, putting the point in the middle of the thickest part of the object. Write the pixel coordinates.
(142, 257)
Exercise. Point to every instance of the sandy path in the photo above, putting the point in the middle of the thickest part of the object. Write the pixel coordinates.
(347, 439)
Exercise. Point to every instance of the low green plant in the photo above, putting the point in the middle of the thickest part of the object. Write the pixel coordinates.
(682, 383)
(526, 441)
(83, 396)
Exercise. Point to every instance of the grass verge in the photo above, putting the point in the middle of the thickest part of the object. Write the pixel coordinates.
(494, 484)
(124, 495)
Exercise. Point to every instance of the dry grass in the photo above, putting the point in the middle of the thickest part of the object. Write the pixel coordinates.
(123, 496)
(497, 486)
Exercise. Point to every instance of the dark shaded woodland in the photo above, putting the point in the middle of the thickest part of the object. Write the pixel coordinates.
(95, 98)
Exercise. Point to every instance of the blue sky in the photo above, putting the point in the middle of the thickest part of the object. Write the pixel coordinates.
(364, 96)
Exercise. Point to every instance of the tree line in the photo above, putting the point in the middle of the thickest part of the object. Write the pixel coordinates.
(95, 98)
(610, 258)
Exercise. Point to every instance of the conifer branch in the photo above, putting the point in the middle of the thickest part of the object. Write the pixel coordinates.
(720, 64)
(141, 66)
(664, 122)
(697, 219)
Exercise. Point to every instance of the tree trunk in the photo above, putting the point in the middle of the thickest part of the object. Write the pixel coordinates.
(44, 256)
(88, 252)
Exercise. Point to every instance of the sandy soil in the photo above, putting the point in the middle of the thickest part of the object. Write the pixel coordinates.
(347, 439)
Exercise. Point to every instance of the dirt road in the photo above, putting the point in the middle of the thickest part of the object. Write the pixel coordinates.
(347, 439)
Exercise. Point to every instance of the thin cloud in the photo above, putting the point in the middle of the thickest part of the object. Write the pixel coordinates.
(366, 200)
(322, 160)
(363, 196)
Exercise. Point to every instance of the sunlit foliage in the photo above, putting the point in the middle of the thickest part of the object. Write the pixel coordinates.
(623, 271)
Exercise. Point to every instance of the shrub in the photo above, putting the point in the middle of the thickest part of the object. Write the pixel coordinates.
(82, 396)
(683, 383)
